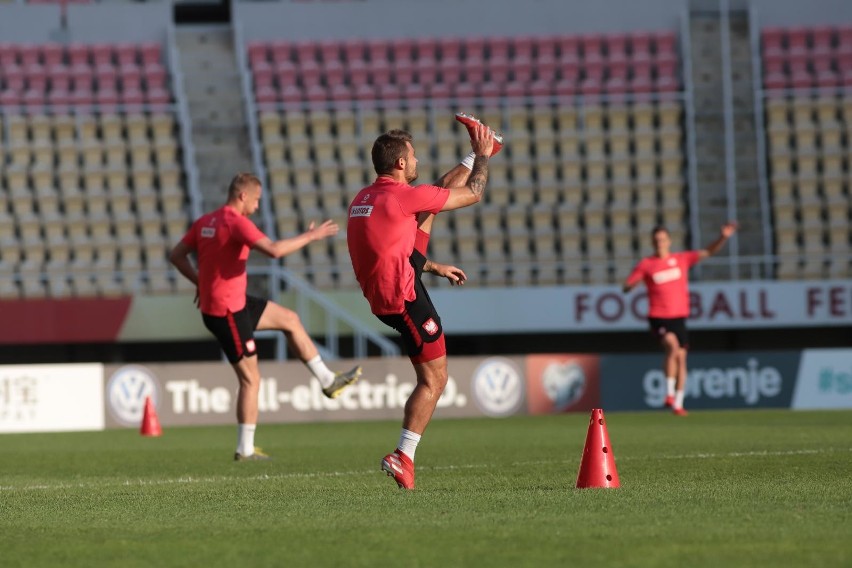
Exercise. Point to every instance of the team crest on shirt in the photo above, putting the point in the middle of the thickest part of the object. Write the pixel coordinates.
(430, 327)
(672, 262)
(208, 232)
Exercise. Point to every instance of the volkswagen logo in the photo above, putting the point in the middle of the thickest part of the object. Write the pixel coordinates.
(498, 387)
(127, 390)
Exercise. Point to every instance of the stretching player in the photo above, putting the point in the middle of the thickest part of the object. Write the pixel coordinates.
(666, 277)
(222, 241)
(388, 233)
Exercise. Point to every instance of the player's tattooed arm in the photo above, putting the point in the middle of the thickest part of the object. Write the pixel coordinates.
(478, 176)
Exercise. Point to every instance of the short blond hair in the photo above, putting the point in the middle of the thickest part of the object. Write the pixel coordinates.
(240, 182)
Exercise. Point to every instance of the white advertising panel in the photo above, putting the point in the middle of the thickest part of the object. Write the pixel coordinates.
(717, 305)
(51, 398)
(825, 380)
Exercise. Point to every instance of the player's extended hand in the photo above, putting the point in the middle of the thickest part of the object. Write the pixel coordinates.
(729, 229)
(454, 274)
(482, 140)
(326, 229)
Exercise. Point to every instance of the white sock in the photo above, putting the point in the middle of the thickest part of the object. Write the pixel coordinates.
(320, 371)
(678, 399)
(468, 160)
(245, 439)
(670, 386)
(408, 441)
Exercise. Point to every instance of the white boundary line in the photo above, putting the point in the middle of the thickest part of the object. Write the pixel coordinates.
(188, 480)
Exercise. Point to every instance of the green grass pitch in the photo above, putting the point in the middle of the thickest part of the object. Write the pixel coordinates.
(738, 488)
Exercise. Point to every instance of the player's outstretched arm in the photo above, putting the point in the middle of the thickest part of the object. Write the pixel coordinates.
(283, 247)
(482, 142)
(725, 233)
(454, 274)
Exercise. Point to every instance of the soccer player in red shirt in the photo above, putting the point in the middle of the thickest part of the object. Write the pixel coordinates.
(388, 233)
(666, 278)
(221, 241)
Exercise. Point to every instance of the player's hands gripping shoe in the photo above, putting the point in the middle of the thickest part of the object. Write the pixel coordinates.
(471, 122)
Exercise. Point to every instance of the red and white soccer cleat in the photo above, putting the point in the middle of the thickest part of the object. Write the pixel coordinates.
(669, 402)
(680, 412)
(401, 468)
(471, 121)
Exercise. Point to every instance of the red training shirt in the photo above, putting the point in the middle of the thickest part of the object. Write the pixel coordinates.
(667, 281)
(380, 234)
(222, 241)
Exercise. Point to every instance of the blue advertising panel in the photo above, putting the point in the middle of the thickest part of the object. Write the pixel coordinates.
(714, 380)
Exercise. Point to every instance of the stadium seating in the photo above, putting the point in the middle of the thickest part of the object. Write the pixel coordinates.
(594, 129)
(807, 79)
(94, 172)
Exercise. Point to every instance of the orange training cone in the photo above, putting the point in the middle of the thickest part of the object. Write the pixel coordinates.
(150, 421)
(597, 469)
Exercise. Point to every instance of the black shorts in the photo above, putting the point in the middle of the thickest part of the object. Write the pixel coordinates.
(419, 325)
(662, 326)
(235, 331)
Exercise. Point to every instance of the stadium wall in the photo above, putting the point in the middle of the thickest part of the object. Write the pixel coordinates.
(35, 398)
(394, 19)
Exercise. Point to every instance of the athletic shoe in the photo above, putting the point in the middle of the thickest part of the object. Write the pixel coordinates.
(680, 412)
(471, 122)
(401, 468)
(669, 402)
(258, 455)
(341, 381)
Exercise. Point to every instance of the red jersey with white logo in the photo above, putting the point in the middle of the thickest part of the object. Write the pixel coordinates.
(222, 241)
(667, 281)
(380, 233)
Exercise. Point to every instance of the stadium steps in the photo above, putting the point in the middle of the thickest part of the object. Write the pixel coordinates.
(709, 103)
(219, 129)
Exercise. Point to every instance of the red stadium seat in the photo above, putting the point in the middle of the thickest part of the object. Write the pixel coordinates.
(640, 43)
(569, 48)
(536, 88)
(151, 53)
(450, 50)
(262, 78)
(666, 45)
(797, 40)
(414, 91)
(258, 51)
(358, 72)
(29, 54)
(403, 51)
(426, 71)
(403, 73)
(14, 78)
(823, 41)
(265, 94)
(60, 78)
(522, 47)
(329, 52)
(488, 90)
(474, 49)
(498, 69)
(126, 54)
(8, 55)
(773, 41)
(304, 53)
(281, 52)
(498, 48)
(51, 54)
(591, 45)
(353, 50)
(377, 52)
(546, 50)
(78, 54)
(101, 54)
(427, 48)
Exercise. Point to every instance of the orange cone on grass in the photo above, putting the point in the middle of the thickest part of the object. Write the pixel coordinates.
(150, 421)
(597, 468)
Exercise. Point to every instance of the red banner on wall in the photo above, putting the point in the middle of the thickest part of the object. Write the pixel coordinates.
(69, 320)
